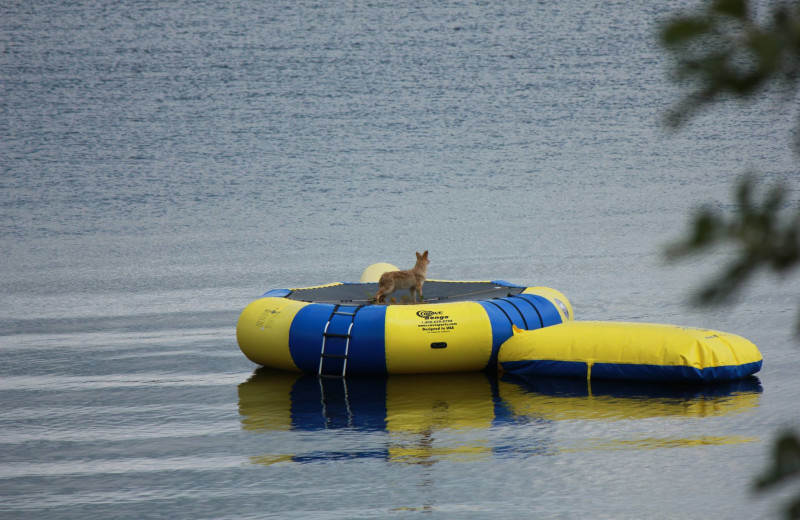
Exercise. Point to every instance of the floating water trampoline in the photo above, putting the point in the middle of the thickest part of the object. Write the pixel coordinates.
(461, 326)
(334, 330)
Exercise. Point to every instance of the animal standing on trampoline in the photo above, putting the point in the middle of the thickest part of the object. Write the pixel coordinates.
(411, 279)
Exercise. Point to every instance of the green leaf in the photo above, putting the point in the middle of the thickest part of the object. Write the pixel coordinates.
(734, 8)
(785, 461)
(681, 30)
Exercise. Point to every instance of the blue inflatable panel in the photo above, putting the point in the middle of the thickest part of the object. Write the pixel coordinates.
(632, 372)
(367, 348)
(522, 317)
(525, 311)
(546, 311)
(501, 329)
(305, 337)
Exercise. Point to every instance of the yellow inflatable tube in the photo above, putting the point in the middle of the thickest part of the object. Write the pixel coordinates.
(636, 351)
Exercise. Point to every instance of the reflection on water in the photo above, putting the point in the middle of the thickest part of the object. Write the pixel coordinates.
(423, 419)
(578, 399)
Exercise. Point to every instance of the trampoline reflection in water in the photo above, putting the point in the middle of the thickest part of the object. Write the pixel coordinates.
(435, 417)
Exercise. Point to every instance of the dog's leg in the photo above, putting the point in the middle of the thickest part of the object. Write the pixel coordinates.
(384, 289)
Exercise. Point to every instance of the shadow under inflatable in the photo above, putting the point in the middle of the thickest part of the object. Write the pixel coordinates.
(432, 417)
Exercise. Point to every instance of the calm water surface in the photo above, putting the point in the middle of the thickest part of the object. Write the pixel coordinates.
(163, 164)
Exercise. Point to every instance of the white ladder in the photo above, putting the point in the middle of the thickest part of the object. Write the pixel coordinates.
(346, 336)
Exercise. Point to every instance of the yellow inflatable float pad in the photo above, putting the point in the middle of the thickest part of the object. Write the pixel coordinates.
(637, 351)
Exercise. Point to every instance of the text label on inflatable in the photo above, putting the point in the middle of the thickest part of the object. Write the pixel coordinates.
(434, 322)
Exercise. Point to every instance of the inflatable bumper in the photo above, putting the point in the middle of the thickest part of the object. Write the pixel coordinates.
(634, 351)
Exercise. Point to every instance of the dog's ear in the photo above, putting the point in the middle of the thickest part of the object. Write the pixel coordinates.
(425, 254)
(419, 256)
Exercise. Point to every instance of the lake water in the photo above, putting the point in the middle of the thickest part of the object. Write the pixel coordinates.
(164, 164)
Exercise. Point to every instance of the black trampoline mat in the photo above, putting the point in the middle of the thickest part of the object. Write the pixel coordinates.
(432, 292)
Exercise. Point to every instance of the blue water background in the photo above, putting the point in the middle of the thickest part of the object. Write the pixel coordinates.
(162, 164)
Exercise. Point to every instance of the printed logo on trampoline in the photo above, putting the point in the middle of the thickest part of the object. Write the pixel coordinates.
(429, 314)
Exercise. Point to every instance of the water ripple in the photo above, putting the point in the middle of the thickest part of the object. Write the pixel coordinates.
(61, 383)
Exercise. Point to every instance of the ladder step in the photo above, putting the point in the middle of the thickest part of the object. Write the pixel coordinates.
(341, 311)
(334, 335)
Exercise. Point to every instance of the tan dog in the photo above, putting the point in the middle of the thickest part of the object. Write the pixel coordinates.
(412, 279)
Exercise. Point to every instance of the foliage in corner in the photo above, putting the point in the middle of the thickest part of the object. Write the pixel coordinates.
(785, 465)
(766, 234)
(724, 52)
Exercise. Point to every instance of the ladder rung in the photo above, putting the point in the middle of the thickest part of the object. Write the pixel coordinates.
(334, 335)
(348, 336)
